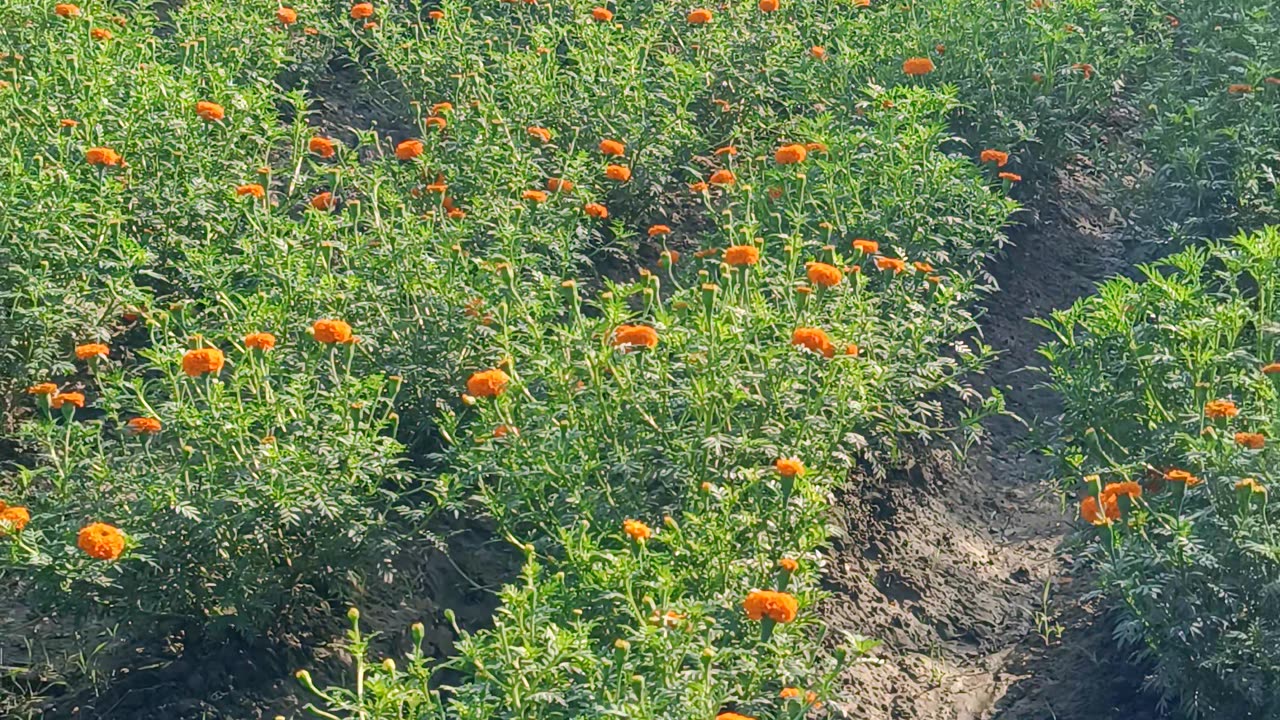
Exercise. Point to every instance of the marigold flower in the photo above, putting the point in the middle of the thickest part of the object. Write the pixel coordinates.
(636, 530)
(60, 399)
(535, 195)
(1000, 158)
(100, 34)
(101, 541)
(253, 189)
(701, 16)
(813, 339)
(287, 16)
(1127, 489)
(504, 430)
(1011, 177)
(1250, 484)
(790, 693)
(862, 3)
(818, 148)
(1220, 409)
(84, 352)
(1240, 89)
(559, 185)
(436, 122)
(202, 361)
(612, 148)
(210, 110)
(723, 177)
(698, 187)
(739, 255)
(788, 564)
(768, 5)
(1090, 513)
(1253, 441)
(441, 108)
(1182, 476)
(824, 275)
(360, 11)
(143, 426)
(542, 134)
(1085, 68)
(488, 383)
(778, 606)
(42, 389)
(894, 264)
(1271, 368)
(323, 202)
(601, 14)
(818, 52)
(66, 10)
(618, 172)
(596, 210)
(436, 14)
(852, 350)
(409, 149)
(790, 154)
(330, 331)
(68, 123)
(733, 716)
(627, 336)
(15, 517)
(917, 66)
(726, 150)
(321, 146)
(655, 230)
(102, 156)
(868, 247)
(260, 341)
(789, 467)
(669, 257)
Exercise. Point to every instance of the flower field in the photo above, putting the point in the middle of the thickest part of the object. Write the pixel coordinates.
(636, 287)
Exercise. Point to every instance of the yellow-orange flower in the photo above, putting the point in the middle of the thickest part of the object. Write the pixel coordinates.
(790, 154)
(409, 149)
(542, 134)
(1271, 368)
(867, 247)
(739, 255)
(441, 107)
(655, 230)
(90, 350)
(360, 11)
(1181, 476)
(596, 210)
(436, 122)
(100, 34)
(1000, 158)
(253, 189)
(923, 267)
(102, 156)
(15, 517)
(768, 5)
(66, 10)
(698, 187)
(1127, 489)
(813, 339)
(488, 383)
(1220, 409)
(917, 66)
(287, 16)
(818, 52)
(601, 14)
(723, 177)
(1091, 514)
(1009, 177)
(612, 148)
(789, 467)
(635, 336)
(101, 541)
(559, 185)
(1240, 89)
(210, 110)
(777, 606)
(620, 173)
(733, 716)
(894, 264)
(1253, 441)
(701, 16)
(788, 564)
(824, 275)
(143, 426)
(42, 389)
(790, 693)
(504, 430)
(202, 361)
(323, 201)
(669, 257)
(636, 530)
(535, 195)
(330, 331)
(260, 341)
(73, 398)
(321, 146)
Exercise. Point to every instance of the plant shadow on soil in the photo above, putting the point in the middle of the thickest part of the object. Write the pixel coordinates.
(960, 567)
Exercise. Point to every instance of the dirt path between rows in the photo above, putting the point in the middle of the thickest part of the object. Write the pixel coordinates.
(958, 566)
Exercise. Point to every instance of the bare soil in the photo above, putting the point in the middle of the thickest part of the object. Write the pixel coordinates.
(961, 567)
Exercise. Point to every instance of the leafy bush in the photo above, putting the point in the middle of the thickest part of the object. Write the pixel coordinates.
(1170, 393)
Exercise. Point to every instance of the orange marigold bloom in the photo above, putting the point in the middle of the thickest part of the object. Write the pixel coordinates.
(1085, 68)
(1091, 514)
(788, 564)
(1220, 409)
(504, 430)
(628, 336)
(287, 16)
(894, 264)
(869, 247)
(323, 201)
(253, 189)
(698, 187)
(436, 15)
(917, 66)
(778, 606)
(42, 389)
(360, 11)
(441, 107)
(143, 426)
(1011, 177)
(733, 716)
(862, 3)
(723, 177)
(488, 383)
(636, 530)
(790, 154)
(1271, 368)
(618, 172)
(102, 156)
(824, 275)
(84, 352)
(438, 123)
(818, 52)
(66, 10)
(100, 34)
(788, 467)
(1127, 489)
(542, 134)
(321, 146)
(74, 398)
(815, 147)
(596, 210)
(768, 5)
(101, 541)
(999, 157)
(701, 16)
(612, 148)
(790, 693)
(923, 267)
(15, 517)
(409, 149)
(602, 14)
(330, 331)
(727, 150)
(201, 361)
(1253, 441)
(739, 255)
(559, 185)
(1182, 476)
(210, 110)
(535, 195)
(260, 341)
(1240, 89)
(68, 123)
(814, 339)
(655, 230)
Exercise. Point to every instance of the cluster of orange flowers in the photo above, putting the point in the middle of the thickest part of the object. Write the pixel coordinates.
(98, 540)
(1104, 508)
